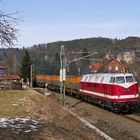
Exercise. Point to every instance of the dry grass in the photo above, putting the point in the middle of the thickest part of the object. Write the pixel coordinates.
(41, 107)
(10, 103)
(60, 123)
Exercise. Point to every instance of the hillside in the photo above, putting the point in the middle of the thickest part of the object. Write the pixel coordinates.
(125, 50)
(100, 45)
(46, 60)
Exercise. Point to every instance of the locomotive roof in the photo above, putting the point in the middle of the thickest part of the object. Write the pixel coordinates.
(108, 74)
(102, 77)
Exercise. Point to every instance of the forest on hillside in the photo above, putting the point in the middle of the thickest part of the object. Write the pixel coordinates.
(46, 57)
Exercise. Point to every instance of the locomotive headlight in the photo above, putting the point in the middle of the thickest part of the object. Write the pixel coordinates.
(127, 90)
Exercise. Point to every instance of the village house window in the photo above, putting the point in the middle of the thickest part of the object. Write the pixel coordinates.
(110, 68)
(116, 68)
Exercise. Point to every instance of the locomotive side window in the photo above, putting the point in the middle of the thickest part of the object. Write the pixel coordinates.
(102, 79)
(112, 80)
(120, 79)
(129, 79)
(96, 78)
(90, 78)
(86, 78)
(82, 79)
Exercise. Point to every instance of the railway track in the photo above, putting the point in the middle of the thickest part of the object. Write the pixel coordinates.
(135, 118)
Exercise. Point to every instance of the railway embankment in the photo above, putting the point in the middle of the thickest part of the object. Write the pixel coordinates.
(27, 114)
(118, 126)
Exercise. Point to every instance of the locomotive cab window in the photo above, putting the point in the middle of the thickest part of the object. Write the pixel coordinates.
(120, 79)
(129, 79)
(112, 80)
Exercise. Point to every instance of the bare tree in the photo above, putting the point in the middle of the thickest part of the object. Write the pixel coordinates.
(8, 30)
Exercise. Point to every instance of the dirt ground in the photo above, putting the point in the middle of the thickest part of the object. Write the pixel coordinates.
(54, 122)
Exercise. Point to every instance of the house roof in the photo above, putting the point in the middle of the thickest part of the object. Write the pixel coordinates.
(96, 66)
(10, 77)
(113, 59)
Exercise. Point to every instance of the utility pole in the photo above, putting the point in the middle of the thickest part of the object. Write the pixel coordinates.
(31, 76)
(62, 76)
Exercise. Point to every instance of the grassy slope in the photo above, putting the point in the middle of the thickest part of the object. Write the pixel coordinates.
(10, 103)
(60, 123)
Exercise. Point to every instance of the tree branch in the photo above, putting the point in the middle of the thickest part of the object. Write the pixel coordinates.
(8, 30)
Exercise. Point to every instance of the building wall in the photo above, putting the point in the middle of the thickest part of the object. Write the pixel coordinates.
(128, 57)
(114, 66)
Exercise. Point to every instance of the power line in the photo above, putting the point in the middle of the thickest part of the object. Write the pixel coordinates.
(79, 52)
(82, 57)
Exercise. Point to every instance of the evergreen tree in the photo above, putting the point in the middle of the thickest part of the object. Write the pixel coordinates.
(25, 66)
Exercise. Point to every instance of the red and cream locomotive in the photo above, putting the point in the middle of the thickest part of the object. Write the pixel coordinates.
(116, 91)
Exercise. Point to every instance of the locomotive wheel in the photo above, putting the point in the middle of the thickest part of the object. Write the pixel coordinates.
(126, 109)
(116, 110)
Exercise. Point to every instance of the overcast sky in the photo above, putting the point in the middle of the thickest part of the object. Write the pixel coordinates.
(47, 21)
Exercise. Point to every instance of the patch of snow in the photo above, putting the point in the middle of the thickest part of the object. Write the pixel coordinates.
(17, 125)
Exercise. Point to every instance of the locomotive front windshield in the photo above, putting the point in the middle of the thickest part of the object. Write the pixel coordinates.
(120, 79)
(127, 79)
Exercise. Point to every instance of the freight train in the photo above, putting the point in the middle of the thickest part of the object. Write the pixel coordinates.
(115, 91)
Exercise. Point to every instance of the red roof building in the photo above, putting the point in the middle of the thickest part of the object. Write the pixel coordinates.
(95, 67)
(115, 66)
(9, 77)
